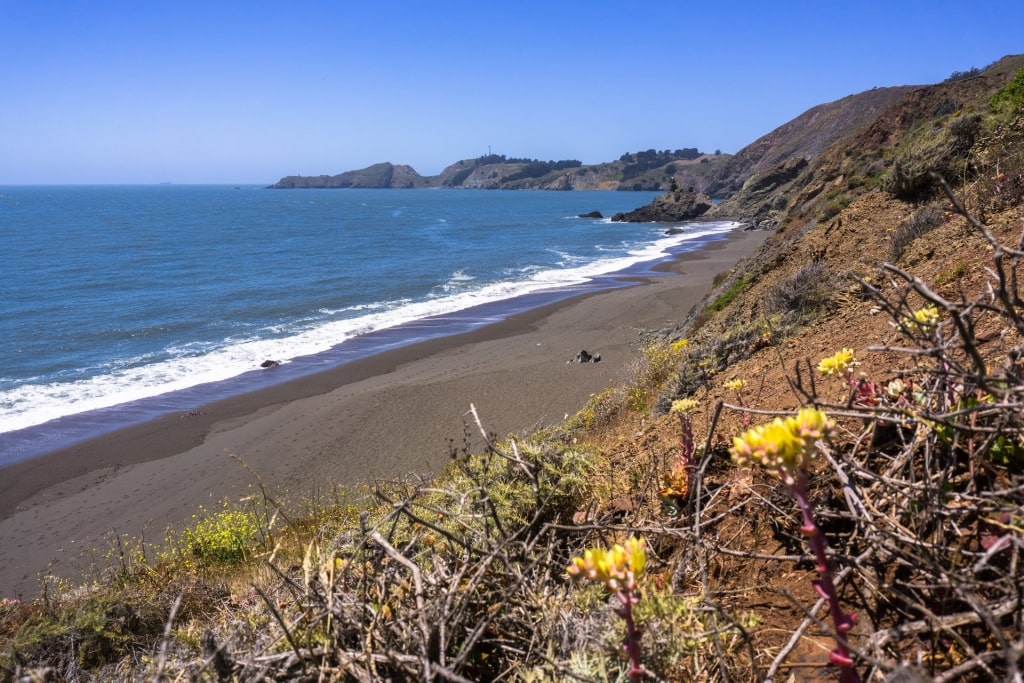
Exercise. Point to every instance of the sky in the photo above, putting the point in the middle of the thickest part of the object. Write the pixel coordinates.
(218, 91)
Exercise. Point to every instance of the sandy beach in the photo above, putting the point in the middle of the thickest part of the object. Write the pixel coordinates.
(382, 417)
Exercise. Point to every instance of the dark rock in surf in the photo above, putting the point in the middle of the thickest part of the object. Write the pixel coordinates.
(673, 207)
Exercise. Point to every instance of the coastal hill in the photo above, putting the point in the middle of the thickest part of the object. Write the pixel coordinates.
(805, 137)
(647, 170)
(875, 535)
(887, 138)
(818, 163)
(715, 175)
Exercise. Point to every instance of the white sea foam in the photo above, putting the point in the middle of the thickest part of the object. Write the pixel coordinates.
(193, 364)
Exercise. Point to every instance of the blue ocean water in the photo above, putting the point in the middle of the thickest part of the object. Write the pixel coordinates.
(119, 302)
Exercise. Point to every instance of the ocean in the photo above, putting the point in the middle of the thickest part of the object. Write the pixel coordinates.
(122, 303)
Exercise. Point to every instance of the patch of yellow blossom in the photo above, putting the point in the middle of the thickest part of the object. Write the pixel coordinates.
(838, 364)
(736, 384)
(618, 567)
(782, 446)
(676, 486)
(684, 405)
(922, 319)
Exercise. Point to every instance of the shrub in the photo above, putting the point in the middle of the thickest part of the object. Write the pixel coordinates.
(941, 146)
(1010, 99)
(74, 637)
(599, 411)
(805, 292)
(734, 290)
(952, 275)
(711, 351)
(920, 223)
(833, 207)
(222, 538)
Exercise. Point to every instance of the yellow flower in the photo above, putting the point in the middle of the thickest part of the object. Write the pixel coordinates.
(838, 364)
(810, 423)
(923, 318)
(928, 315)
(736, 384)
(783, 447)
(684, 405)
(618, 568)
(676, 485)
(678, 346)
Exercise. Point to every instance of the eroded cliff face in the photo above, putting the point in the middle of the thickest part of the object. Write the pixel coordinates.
(805, 137)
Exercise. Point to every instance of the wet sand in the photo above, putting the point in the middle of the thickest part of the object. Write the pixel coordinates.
(382, 417)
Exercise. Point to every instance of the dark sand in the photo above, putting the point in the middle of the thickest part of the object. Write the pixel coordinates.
(382, 417)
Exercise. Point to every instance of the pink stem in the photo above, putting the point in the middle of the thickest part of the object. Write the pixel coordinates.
(841, 623)
(686, 440)
(632, 644)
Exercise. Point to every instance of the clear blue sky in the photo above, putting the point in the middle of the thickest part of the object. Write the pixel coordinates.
(239, 92)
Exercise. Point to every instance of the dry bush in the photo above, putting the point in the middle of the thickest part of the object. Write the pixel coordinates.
(920, 223)
(712, 350)
(922, 498)
(805, 293)
(1000, 184)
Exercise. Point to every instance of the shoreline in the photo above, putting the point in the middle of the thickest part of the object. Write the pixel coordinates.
(68, 430)
(384, 416)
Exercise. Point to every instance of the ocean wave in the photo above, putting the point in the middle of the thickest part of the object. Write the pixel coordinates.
(192, 364)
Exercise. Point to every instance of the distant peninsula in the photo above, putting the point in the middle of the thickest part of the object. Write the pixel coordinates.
(649, 170)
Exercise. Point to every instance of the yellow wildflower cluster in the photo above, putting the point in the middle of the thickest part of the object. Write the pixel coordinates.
(782, 446)
(838, 364)
(684, 405)
(922, 319)
(736, 384)
(618, 568)
(220, 538)
(676, 486)
(678, 346)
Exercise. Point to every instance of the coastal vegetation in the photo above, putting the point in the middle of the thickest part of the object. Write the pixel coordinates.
(817, 474)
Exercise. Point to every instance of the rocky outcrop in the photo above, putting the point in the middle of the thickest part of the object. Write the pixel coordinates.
(385, 175)
(764, 195)
(672, 207)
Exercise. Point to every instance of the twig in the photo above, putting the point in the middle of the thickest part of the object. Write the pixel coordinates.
(421, 611)
(162, 659)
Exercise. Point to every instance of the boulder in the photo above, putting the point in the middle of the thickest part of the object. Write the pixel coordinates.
(671, 207)
(592, 214)
(586, 357)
